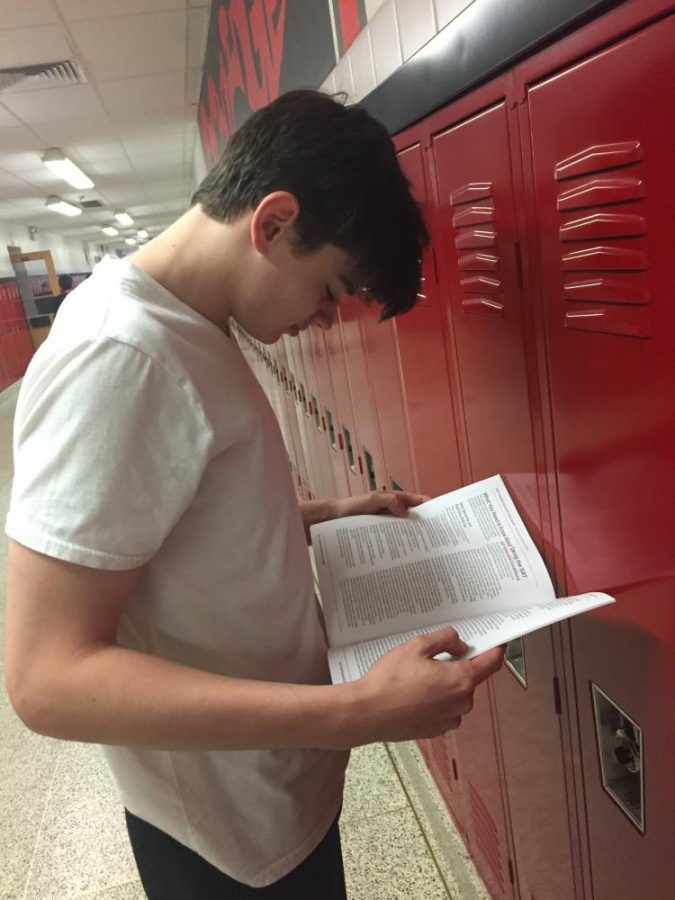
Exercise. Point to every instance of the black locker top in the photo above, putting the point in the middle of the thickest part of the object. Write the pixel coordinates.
(485, 38)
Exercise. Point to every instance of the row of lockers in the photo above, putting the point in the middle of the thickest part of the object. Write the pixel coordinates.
(11, 307)
(16, 347)
(542, 348)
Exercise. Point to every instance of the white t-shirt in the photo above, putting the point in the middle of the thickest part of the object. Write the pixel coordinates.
(143, 438)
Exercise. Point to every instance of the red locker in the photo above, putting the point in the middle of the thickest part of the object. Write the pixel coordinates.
(424, 369)
(384, 367)
(325, 481)
(345, 422)
(369, 439)
(299, 407)
(328, 411)
(602, 208)
(482, 274)
(288, 401)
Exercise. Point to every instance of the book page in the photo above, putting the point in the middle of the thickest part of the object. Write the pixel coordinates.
(481, 633)
(459, 555)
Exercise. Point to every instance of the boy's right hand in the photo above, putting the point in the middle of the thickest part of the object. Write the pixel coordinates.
(408, 694)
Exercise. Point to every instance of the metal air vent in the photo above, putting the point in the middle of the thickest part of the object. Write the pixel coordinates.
(91, 204)
(53, 74)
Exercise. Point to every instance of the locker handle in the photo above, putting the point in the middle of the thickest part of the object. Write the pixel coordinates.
(341, 441)
(360, 465)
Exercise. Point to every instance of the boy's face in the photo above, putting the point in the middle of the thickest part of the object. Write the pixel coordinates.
(295, 290)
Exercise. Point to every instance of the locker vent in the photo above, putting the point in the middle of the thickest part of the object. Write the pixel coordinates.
(487, 836)
(475, 232)
(611, 295)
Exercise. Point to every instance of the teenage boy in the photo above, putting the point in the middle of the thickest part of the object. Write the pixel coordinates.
(160, 597)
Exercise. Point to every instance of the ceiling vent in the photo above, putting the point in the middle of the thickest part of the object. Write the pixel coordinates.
(54, 74)
(91, 204)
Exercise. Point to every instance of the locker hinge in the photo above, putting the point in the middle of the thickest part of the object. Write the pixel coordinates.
(519, 264)
(455, 771)
(512, 877)
(556, 696)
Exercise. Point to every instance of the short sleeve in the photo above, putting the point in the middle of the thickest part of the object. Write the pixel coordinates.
(109, 450)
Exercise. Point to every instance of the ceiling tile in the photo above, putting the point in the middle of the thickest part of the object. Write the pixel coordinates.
(121, 46)
(12, 188)
(193, 86)
(130, 124)
(146, 92)
(96, 9)
(19, 163)
(197, 30)
(55, 104)
(95, 152)
(159, 143)
(7, 120)
(28, 12)
(166, 166)
(17, 139)
(21, 46)
(89, 130)
(138, 212)
(45, 180)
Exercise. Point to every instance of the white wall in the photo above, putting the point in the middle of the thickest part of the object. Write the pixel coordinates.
(68, 254)
(396, 30)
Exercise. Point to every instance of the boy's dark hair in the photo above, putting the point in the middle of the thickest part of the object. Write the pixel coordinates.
(65, 282)
(341, 165)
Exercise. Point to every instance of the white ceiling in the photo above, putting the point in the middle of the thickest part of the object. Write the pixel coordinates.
(131, 127)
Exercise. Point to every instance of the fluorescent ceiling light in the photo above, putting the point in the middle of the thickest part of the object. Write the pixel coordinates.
(124, 218)
(141, 233)
(56, 204)
(110, 230)
(129, 240)
(66, 169)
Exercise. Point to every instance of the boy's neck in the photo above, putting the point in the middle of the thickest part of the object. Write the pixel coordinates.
(198, 260)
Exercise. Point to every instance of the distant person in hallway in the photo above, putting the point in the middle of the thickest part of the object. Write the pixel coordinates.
(160, 597)
(66, 286)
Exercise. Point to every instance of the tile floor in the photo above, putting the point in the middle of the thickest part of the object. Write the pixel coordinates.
(61, 826)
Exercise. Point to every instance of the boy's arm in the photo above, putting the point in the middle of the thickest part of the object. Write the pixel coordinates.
(68, 678)
(396, 503)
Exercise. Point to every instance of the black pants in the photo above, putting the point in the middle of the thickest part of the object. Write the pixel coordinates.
(171, 871)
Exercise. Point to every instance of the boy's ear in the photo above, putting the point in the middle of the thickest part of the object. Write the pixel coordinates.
(273, 218)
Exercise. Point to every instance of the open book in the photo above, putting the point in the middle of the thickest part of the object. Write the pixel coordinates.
(464, 559)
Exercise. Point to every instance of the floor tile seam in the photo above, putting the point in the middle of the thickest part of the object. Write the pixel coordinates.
(95, 893)
(356, 819)
(40, 828)
(421, 830)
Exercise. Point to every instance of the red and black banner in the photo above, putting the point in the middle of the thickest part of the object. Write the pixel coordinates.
(256, 50)
(350, 18)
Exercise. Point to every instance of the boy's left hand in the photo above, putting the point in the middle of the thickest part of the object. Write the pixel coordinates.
(396, 503)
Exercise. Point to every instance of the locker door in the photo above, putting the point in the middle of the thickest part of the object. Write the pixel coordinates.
(602, 143)
(329, 417)
(424, 371)
(384, 367)
(343, 409)
(294, 358)
(325, 483)
(288, 403)
(369, 440)
(477, 230)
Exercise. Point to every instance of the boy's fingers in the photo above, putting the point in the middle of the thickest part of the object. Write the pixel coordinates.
(444, 641)
(487, 663)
